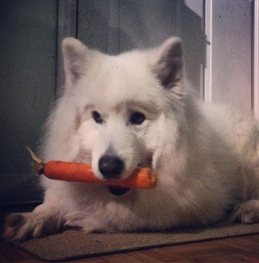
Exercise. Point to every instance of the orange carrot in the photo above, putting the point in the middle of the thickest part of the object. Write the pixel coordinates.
(81, 172)
(71, 171)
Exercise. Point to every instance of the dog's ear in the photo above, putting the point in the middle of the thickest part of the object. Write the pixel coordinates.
(169, 64)
(74, 59)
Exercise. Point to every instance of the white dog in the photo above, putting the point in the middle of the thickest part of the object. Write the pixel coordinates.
(132, 110)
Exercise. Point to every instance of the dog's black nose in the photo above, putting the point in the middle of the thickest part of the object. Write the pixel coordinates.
(111, 166)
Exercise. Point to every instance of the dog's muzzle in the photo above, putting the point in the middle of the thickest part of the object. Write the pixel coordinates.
(111, 166)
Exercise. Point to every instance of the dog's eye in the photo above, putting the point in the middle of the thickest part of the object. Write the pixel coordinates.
(137, 118)
(97, 117)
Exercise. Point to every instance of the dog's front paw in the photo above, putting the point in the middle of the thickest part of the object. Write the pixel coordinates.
(84, 221)
(35, 224)
(12, 224)
(247, 212)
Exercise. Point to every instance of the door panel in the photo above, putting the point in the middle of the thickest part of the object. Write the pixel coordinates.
(27, 89)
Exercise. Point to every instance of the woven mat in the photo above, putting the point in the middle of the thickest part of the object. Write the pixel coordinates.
(73, 244)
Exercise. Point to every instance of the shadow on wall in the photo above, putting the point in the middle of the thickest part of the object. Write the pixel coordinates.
(117, 26)
(194, 41)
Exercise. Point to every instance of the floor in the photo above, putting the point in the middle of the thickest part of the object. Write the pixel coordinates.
(237, 249)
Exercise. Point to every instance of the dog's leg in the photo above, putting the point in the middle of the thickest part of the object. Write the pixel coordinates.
(247, 212)
(42, 221)
(84, 221)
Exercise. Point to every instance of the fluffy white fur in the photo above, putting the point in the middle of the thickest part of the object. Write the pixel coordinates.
(205, 156)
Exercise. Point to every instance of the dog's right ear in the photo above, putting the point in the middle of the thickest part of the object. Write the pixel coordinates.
(74, 59)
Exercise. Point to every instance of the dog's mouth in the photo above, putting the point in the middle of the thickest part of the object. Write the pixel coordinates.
(117, 190)
(120, 191)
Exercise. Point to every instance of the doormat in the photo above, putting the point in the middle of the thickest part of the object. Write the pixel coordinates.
(75, 244)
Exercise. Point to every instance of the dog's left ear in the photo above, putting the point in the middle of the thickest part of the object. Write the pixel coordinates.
(169, 64)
